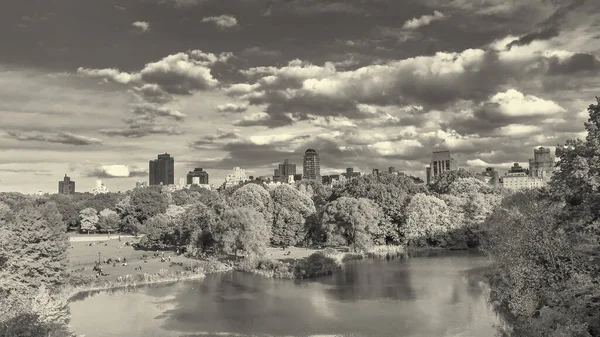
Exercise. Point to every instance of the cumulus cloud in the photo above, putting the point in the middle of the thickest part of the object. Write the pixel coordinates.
(117, 171)
(261, 52)
(141, 26)
(54, 137)
(232, 107)
(424, 20)
(109, 74)
(156, 85)
(222, 21)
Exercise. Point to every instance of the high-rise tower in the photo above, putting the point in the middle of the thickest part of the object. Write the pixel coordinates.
(66, 186)
(162, 170)
(311, 166)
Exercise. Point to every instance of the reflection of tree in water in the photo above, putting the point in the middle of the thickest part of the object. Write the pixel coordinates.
(371, 280)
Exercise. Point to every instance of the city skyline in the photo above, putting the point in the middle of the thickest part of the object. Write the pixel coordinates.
(97, 97)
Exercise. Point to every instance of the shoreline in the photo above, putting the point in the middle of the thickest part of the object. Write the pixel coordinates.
(275, 268)
(137, 280)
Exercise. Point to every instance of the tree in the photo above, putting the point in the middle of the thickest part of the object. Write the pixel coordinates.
(158, 230)
(442, 182)
(88, 219)
(148, 202)
(353, 222)
(102, 201)
(427, 221)
(199, 224)
(108, 221)
(256, 197)
(291, 209)
(34, 249)
(243, 229)
(68, 208)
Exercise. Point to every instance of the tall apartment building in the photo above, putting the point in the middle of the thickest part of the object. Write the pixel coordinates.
(391, 169)
(311, 165)
(441, 162)
(66, 186)
(200, 174)
(542, 164)
(162, 170)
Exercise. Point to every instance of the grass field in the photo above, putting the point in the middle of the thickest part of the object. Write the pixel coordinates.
(82, 255)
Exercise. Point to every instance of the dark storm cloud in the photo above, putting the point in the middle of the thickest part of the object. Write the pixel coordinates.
(550, 27)
(54, 137)
(579, 62)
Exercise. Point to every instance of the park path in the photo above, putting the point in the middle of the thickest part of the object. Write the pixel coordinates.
(98, 238)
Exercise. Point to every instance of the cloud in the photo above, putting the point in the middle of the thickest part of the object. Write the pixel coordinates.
(215, 141)
(116, 171)
(142, 26)
(157, 84)
(260, 52)
(109, 73)
(550, 27)
(183, 4)
(424, 20)
(232, 107)
(222, 21)
(54, 137)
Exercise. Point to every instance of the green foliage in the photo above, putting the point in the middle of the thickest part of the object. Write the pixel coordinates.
(101, 201)
(88, 219)
(428, 219)
(253, 196)
(199, 224)
(158, 230)
(291, 209)
(442, 183)
(353, 222)
(243, 229)
(34, 249)
(546, 247)
(68, 208)
(108, 221)
(147, 202)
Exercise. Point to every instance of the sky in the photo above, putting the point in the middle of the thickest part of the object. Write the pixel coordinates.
(95, 89)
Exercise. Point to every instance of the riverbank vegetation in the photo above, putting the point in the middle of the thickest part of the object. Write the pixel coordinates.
(544, 243)
(546, 247)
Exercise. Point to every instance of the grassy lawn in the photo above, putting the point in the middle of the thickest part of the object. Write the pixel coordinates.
(82, 255)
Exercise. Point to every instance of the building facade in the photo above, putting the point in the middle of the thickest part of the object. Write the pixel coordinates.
(311, 165)
(200, 174)
(237, 177)
(66, 186)
(441, 162)
(284, 172)
(162, 170)
(542, 164)
(520, 181)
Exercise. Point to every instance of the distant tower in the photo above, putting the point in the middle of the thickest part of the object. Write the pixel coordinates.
(311, 166)
(542, 164)
(441, 162)
(162, 170)
(66, 186)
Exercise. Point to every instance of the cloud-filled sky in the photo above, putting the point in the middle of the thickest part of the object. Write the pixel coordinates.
(96, 89)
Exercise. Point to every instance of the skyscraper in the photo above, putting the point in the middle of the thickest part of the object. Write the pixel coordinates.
(197, 173)
(441, 161)
(162, 170)
(311, 165)
(66, 186)
(542, 164)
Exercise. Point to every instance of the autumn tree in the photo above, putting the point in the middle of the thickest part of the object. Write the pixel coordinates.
(291, 209)
(352, 222)
(243, 229)
(88, 219)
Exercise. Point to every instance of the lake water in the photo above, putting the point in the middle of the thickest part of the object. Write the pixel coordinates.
(431, 296)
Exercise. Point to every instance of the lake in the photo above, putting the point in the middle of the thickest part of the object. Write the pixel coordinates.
(426, 296)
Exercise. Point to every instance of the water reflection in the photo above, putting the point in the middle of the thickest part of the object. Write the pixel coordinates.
(425, 296)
